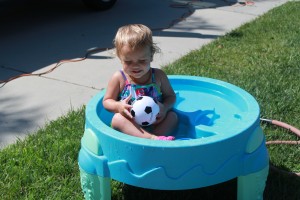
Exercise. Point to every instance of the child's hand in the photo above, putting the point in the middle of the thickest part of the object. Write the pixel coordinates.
(124, 107)
(162, 113)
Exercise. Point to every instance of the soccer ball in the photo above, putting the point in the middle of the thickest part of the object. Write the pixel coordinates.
(144, 110)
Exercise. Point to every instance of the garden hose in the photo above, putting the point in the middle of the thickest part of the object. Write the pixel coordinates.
(289, 128)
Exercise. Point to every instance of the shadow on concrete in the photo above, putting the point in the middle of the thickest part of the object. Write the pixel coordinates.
(13, 123)
(35, 34)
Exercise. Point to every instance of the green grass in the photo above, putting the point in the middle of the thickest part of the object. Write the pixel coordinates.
(44, 165)
(262, 57)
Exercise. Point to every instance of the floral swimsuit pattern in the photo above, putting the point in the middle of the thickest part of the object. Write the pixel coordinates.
(151, 90)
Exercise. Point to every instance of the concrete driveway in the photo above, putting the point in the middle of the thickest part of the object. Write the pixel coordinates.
(36, 35)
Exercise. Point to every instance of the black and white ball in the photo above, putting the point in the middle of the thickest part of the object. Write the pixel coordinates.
(144, 110)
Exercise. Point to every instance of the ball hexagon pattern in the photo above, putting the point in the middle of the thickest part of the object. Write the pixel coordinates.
(144, 110)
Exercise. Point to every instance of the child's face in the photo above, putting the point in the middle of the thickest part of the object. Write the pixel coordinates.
(136, 63)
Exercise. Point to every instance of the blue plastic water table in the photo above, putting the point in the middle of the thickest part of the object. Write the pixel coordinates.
(218, 138)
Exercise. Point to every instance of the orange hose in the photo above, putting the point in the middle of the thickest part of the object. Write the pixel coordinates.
(291, 129)
(287, 126)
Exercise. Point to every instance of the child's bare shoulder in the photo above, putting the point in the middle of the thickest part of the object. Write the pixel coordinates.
(117, 75)
(160, 74)
(118, 79)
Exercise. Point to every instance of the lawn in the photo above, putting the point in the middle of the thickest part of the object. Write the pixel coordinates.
(262, 57)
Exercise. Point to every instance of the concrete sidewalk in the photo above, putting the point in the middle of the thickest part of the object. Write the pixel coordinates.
(27, 103)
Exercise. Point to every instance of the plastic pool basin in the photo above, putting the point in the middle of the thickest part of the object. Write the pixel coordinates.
(218, 138)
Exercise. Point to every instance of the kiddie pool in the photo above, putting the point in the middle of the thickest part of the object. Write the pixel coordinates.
(218, 138)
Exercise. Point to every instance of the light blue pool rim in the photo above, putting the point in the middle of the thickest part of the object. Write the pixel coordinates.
(250, 116)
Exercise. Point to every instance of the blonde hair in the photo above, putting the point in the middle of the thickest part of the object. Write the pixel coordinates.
(135, 36)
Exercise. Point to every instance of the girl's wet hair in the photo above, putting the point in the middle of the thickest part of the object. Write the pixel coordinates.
(135, 36)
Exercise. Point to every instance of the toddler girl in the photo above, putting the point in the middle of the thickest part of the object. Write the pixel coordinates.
(135, 49)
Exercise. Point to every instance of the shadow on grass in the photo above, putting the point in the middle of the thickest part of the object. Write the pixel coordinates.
(225, 190)
(282, 185)
(279, 186)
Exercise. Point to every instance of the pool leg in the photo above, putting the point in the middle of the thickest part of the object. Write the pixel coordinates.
(252, 185)
(95, 187)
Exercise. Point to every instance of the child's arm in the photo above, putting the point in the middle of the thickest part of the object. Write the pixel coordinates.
(110, 98)
(168, 94)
